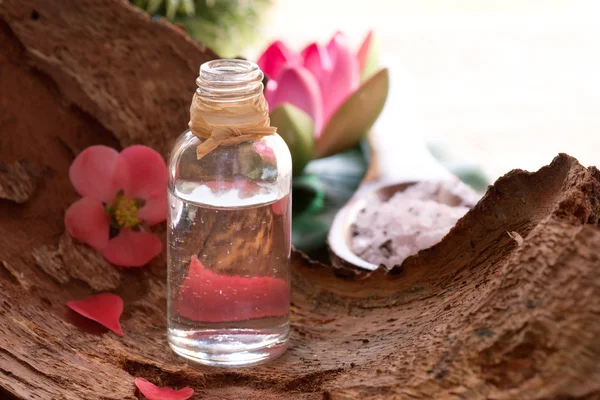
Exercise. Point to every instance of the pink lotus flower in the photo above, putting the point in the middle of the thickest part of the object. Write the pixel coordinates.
(104, 308)
(317, 80)
(123, 194)
(334, 87)
(153, 392)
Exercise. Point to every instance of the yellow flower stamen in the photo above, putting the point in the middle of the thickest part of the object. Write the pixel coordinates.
(125, 209)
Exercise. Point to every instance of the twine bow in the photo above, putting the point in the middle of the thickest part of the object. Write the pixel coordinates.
(228, 122)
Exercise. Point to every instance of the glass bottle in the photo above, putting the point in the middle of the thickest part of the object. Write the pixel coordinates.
(229, 233)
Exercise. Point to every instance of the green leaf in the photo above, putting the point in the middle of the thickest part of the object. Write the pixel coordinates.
(297, 129)
(172, 6)
(327, 184)
(350, 123)
(226, 26)
(153, 6)
(187, 7)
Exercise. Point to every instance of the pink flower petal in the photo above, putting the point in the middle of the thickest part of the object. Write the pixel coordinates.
(132, 249)
(147, 173)
(98, 172)
(318, 62)
(363, 51)
(104, 308)
(210, 297)
(297, 86)
(154, 211)
(270, 92)
(344, 79)
(275, 57)
(153, 392)
(87, 221)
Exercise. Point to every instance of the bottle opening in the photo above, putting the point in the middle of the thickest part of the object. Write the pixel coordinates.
(229, 78)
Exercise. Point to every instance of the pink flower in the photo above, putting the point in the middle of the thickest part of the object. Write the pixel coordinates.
(325, 99)
(104, 308)
(153, 392)
(317, 80)
(123, 194)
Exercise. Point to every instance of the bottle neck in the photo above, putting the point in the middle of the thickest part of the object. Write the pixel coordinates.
(229, 80)
(228, 107)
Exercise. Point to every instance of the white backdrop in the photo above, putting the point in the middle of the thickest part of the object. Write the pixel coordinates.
(507, 84)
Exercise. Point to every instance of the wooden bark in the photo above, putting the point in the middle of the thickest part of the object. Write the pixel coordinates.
(481, 315)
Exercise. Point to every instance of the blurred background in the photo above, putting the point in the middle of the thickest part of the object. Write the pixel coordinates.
(490, 84)
(478, 86)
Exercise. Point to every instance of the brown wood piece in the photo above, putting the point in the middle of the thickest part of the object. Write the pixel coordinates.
(477, 316)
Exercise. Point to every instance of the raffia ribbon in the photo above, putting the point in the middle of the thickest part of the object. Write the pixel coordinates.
(228, 123)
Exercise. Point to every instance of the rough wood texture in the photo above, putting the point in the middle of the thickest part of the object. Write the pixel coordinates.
(17, 181)
(478, 316)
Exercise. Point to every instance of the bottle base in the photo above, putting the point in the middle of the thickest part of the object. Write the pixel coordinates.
(228, 347)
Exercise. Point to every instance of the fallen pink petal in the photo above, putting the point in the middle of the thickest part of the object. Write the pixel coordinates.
(153, 392)
(104, 308)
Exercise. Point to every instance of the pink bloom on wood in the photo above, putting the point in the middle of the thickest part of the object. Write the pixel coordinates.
(211, 297)
(153, 392)
(104, 308)
(125, 191)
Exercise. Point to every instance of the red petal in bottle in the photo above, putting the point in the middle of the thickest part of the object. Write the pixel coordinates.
(211, 297)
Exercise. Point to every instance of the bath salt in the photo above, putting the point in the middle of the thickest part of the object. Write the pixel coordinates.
(387, 232)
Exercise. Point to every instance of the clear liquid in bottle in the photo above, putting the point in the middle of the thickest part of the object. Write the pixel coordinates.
(229, 284)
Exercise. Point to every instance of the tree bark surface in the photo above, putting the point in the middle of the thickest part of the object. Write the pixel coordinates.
(506, 306)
